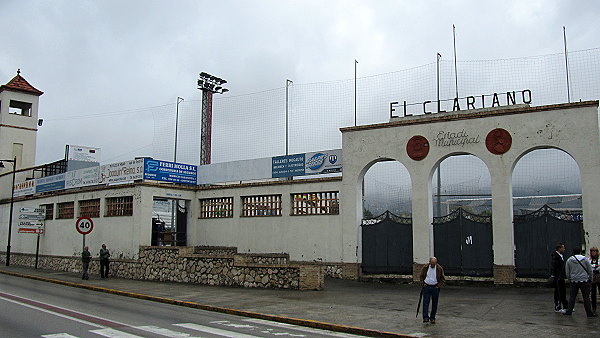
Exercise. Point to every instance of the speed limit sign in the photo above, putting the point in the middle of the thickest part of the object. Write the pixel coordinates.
(84, 225)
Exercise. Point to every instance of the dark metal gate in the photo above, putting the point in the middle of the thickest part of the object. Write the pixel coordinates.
(536, 236)
(387, 244)
(462, 243)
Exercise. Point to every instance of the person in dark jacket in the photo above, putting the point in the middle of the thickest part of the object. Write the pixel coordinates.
(104, 255)
(432, 278)
(557, 273)
(86, 258)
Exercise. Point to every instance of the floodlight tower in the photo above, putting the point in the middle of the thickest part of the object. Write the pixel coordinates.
(209, 85)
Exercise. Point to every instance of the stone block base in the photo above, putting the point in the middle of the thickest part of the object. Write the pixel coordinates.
(504, 274)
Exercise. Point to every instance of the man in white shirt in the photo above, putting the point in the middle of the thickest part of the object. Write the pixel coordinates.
(579, 272)
(432, 278)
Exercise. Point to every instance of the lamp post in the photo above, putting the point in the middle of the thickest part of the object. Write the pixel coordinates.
(12, 203)
(179, 100)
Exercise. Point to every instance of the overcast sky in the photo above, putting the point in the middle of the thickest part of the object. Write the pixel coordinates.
(112, 58)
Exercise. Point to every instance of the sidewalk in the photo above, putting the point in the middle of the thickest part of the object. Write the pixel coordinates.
(463, 310)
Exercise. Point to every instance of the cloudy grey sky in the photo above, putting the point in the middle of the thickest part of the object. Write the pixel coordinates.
(110, 59)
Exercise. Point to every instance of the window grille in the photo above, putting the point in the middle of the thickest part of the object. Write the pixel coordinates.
(119, 206)
(65, 210)
(49, 211)
(316, 203)
(216, 207)
(261, 206)
(89, 208)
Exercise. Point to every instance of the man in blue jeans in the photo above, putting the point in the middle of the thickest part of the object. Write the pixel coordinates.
(432, 278)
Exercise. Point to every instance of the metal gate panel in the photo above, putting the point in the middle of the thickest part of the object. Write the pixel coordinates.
(477, 255)
(446, 242)
(387, 245)
(463, 243)
(536, 235)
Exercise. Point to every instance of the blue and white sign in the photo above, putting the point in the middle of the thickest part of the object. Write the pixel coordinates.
(50, 183)
(286, 166)
(323, 162)
(170, 172)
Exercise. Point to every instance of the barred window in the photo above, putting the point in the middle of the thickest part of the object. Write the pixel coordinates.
(89, 208)
(216, 207)
(49, 211)
(65, 210)
(260, 206)
(119, 206)
(316, 203)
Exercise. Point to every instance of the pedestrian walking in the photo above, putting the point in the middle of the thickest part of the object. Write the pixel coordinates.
(596, 276)
(557, 274)
(104, 261)
(86, 258)
(432, 278)
(579, 271)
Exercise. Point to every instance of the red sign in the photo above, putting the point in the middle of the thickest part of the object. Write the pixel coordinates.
(417, 147)
(498, 141)
(84, 225)
(31, 230)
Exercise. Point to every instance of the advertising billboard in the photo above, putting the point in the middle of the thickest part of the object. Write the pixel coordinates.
(164, 171)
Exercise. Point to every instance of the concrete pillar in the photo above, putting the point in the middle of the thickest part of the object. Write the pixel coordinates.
(502, 224)
(422, 218)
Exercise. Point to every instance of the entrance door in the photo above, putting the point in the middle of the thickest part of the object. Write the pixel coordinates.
(536, 236)
(463, 243)
(387, 245)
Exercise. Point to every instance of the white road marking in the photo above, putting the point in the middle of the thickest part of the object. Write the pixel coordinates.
(112, 333)
(59, 335)
(162, 331)
(300, 328)
(53, 313)
(212, 330)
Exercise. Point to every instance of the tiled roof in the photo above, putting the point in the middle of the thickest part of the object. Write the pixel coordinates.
(19, 84)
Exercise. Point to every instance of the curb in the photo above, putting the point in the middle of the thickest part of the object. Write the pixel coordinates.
(281, 319)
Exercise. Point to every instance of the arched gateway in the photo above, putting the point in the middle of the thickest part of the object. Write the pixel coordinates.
(499, 137)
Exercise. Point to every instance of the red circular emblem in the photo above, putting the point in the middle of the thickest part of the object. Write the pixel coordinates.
(498, 141)
(417, 147)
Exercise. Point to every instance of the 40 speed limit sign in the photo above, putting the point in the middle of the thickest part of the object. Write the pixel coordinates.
(84, 225)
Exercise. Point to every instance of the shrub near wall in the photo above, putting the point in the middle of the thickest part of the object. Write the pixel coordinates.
(200, 265)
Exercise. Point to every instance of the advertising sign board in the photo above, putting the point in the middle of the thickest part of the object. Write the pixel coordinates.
(50, 183)
(25, 188)
(288, 165)
(82, 177)
(121, 172)
(323, 162)
(81, 153)
(170, 172)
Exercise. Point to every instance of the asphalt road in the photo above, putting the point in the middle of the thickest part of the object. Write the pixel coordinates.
(30, 308)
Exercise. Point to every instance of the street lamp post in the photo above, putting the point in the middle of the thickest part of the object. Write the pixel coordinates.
(179, 100)
(12, 203)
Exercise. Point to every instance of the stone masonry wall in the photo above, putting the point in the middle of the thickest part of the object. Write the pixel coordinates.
(186, 265)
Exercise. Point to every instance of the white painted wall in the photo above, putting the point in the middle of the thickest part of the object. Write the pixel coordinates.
(305, 238)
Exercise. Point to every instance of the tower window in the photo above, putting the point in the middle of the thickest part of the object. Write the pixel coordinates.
(19, 108)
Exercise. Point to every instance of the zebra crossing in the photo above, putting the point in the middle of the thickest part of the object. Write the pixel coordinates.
(247, 328)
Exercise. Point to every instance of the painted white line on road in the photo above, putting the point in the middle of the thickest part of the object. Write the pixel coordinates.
(213, 330)
(161, 331)
(112, 333)
(300, 328)
(59, 335)
(53, 313)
